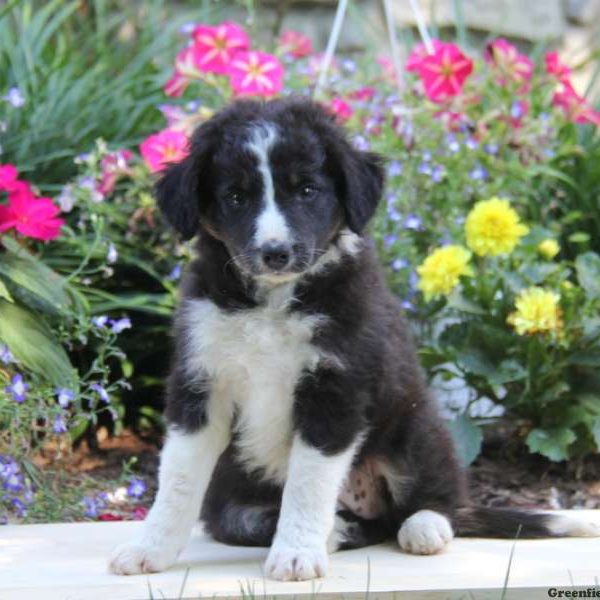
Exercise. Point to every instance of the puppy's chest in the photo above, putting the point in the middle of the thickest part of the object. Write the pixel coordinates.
(254, 360)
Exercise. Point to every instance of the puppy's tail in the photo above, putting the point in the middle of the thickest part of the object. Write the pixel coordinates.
(476, 521)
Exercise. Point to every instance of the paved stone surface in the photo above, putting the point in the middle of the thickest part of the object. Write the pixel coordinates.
(68, 562)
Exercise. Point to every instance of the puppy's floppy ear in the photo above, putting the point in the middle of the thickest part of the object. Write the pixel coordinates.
(362, 186)
(178, 192)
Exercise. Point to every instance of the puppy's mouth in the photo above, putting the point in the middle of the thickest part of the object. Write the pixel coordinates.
(275, 263)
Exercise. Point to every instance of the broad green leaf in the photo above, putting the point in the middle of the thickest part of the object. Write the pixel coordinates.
(34, 345)
(588, 273)
(552, 443)
(31, 281)
(457, 301)
(4, 293)
(579, 237)
(467, 438)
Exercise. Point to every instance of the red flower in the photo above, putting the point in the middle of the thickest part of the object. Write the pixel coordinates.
(555, 67)
(363, 94)
(512, 66)
(166, 146)
(444, 72)
(256, 74)
(340, 108)
(575, 106)
(109, 516)
(216, 46)
(139, 513)
(295, 43)
(30, 216)
(8, 177)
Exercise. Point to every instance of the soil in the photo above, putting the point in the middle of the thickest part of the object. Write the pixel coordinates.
(501, 476)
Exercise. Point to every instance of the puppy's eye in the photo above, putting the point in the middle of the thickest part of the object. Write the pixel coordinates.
(235, 200)
(308, 191)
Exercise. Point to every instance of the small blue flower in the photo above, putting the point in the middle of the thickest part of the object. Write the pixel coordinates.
(91, 507)
(360, 142)
(175, 274)
(15, 97)
(59, 425)
(66, 199)
(491, 149)
(64, 396)
(393, 214)
(479, 173)
(390, 239)
(137, 488)
(18, 388)
(120, 325)
(517, 110)
(413, 222)
(471, 143)
(193, 105)
(100, 321)
(6, 356)
(399, 264)
(391, 198)
(453, 143)
(427, 156)
(424, 168)
(348, 65)
(407, 305)
(20, 507)
(437, 174)
(413, 279)
(394, 168)
(548, 153)
(187, 28)
(96, 387)
(112, 255)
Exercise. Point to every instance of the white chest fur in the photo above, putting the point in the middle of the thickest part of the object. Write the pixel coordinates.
(254, 359)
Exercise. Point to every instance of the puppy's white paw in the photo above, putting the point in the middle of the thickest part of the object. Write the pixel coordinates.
(425, 532)
(137, 557)
(295, 564)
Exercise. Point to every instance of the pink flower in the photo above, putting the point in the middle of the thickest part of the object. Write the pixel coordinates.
(114, 165)
(555, 67)
(256, 74)
(30, 216)
(166, 146)
(176, 85)
(363, 94)
(419, 52)
(8, 177)
(444, 72)
(295, 43)
(512, 66)
(340, 108)
(575, 106)
(216, 46)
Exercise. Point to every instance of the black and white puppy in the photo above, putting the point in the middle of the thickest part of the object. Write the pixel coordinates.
(298, 416)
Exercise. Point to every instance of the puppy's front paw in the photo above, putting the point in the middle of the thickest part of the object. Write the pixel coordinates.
(296, 564)
(132, 558)
(425, 532)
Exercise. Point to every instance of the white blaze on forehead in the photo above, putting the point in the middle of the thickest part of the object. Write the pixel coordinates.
(270, 223)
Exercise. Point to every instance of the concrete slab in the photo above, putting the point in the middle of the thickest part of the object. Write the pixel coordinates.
(68, 562)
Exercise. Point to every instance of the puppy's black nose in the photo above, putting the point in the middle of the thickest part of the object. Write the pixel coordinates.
(276, 255)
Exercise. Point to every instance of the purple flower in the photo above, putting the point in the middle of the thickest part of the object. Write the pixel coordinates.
(120, 325)
(6, 356)
(348, 65)
(100, 321)
(479, 173)
(18, 388)
(426, 156)
(187, 28)
(413, 222)
(471, 143)
(517, 110)
(59, 426)
(399, 264)
(437, 174)
(491, 149)
(91, 507)
(15, 97)
(66, 198)
(175, 274)
(424, 168)
(96, 387)
(413, 279)
(64, 396)
(137, 488)
(394, 168)
(393, 214)
(10, 474)
(20, 507)
(453, 143)
(407, 305)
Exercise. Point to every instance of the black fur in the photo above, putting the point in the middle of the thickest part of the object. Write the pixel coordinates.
(374, 384)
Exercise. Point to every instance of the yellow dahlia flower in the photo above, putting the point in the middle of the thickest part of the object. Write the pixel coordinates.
(538, 311)
(548, 248)
(493, 228)
(442, 269)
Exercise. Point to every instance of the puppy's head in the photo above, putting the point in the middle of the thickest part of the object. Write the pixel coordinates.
(275, 182)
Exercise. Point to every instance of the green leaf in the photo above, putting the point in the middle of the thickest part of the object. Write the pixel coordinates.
(579, 237)
(467, 438)
(595, 429)
(588, 273)
(32, 282)
(4, 293)
(459, 302)
(34, 345)
(552, 443)
(585, 359)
